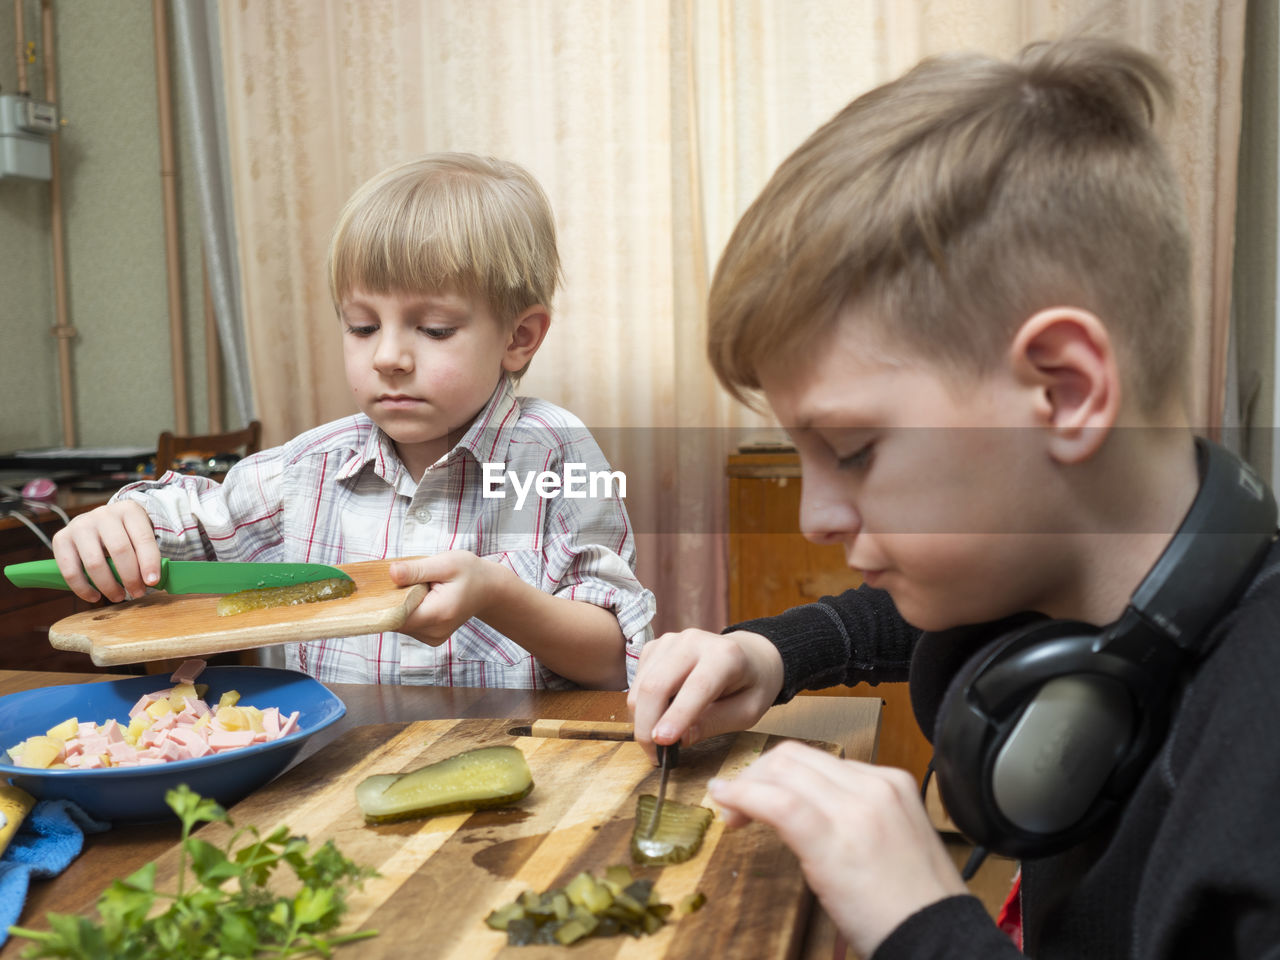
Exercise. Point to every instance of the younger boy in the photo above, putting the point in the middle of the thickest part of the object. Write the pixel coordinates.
(966, 296)
(442, 271)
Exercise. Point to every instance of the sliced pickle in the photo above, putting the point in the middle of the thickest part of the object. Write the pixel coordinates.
(472, 780)
(677, 835)
(265, 597)
(584, 907)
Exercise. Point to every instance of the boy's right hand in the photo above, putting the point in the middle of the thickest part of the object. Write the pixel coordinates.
(696, 684)
(120, 531)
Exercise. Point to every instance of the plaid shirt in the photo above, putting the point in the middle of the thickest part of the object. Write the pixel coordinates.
(339, 494)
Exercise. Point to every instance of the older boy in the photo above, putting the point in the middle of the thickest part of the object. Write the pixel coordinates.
(966, 296)
(442, 271)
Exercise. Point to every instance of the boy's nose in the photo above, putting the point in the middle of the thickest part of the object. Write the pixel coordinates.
(391, 354)
(827, 515)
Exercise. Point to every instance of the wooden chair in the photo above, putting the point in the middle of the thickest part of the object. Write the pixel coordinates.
(171, 446)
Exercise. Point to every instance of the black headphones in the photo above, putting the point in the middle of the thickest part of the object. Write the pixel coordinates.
(1043, 727)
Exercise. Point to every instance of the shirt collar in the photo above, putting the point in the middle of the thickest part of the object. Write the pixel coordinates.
(378, 452)
(486, 439)
(490, 433)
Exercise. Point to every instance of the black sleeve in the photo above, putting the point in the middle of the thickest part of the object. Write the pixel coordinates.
(957, 928)
(856, 637)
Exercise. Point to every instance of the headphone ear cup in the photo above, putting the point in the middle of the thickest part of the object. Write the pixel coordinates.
(959, 738)
(1027, 741)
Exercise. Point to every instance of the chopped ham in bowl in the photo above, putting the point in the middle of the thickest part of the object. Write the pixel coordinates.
(224, 732)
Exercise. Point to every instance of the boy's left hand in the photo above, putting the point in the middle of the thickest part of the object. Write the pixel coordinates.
(865, 843)
(461, 584)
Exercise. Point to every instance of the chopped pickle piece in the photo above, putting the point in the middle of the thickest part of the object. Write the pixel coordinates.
(586, 907)
(472, 780)
(265, 597)
(691, 903)
(677, 835)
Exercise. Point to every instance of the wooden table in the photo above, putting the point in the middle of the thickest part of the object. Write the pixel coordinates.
(852, 722)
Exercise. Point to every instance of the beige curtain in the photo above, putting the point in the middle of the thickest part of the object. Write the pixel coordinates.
(651, 125)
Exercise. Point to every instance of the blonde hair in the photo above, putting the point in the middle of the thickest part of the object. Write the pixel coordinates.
(955, 202)
(449, 221)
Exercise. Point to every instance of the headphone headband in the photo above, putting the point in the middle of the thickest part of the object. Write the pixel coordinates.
(1229, 526)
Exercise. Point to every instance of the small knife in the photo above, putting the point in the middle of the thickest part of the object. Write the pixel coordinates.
(191, 576)
(668, 756)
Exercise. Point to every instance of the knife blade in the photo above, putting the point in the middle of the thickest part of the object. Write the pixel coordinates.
(191, 576)
(574, 730)
(668, 756)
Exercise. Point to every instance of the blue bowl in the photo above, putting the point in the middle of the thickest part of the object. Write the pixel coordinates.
(137, 793)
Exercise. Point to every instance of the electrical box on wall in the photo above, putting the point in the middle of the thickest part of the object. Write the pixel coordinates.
(26, 131)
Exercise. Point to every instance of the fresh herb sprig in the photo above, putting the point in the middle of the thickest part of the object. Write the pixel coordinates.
(228, 911)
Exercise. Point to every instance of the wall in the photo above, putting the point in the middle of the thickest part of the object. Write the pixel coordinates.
(114, 227)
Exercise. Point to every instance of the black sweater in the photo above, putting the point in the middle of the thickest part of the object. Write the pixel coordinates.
(1190, 868)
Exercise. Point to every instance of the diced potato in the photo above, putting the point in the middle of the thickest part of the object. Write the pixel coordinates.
(180, 694)
(41, 752)
(136, 726)
(232, 718)
(66, 729)
(254, 718)
(159, 709)
(229, 699)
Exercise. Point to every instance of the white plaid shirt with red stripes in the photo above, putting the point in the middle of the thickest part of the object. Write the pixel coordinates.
(339, 494)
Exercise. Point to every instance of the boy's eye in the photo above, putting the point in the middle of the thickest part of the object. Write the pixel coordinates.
(361, 329)
(859, 460)
(439, 333)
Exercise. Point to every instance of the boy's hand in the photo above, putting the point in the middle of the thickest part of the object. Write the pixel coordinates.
(695, 684)
(862, 835)
(461, 586)
(120, 531)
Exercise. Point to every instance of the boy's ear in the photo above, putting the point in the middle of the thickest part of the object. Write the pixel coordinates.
(1065, 355)
(526, 336)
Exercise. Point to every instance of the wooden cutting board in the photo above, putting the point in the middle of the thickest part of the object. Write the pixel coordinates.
(439, 877)
(160, 625)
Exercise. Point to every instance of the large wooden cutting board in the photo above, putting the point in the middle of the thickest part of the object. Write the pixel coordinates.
(160, 626)
(441, 876)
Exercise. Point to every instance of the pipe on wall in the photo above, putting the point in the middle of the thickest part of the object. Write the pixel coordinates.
(213, 355)
(168, 181)
(20, 44)
(62, 328)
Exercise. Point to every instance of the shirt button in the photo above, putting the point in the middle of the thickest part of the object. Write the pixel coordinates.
(423, 514)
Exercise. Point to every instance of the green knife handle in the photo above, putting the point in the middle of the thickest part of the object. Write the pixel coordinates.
(44, 573)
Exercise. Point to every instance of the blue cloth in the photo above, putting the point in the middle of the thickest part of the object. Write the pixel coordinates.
(46, 843)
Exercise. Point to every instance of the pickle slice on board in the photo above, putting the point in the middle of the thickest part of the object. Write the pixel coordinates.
(263, 598)
(472, 780)
(675, 838)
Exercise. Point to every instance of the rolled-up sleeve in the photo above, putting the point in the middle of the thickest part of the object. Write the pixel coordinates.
(196, 518)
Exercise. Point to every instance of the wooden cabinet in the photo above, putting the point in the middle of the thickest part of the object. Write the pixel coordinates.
(773, 567)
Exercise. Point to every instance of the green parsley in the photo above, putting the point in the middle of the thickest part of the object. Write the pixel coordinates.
(228, 911)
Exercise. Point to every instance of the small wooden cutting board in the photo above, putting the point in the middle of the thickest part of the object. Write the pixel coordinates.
(161, 626)
(439, 877)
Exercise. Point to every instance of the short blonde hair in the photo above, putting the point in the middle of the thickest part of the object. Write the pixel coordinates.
(449, 221)
(955, 202)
